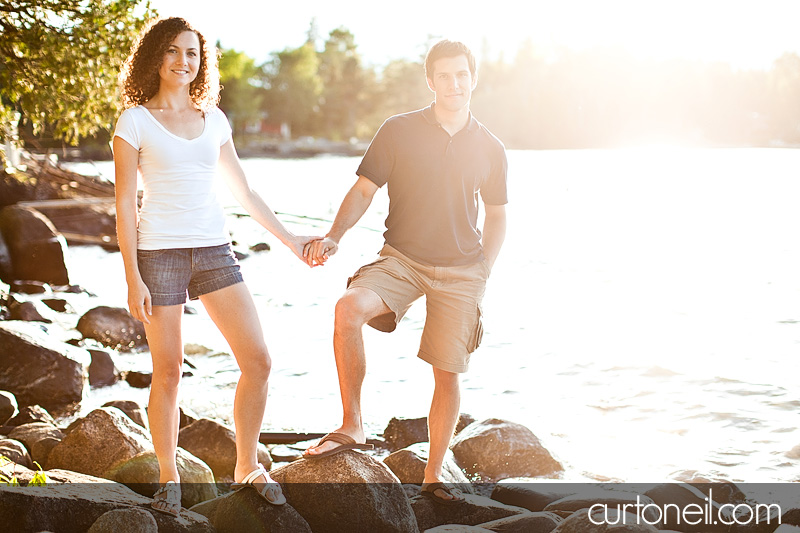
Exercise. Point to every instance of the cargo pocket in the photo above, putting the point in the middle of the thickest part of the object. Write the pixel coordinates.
(363, 269)
(477, 334)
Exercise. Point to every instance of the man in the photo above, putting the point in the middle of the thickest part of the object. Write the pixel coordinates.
(436, 162)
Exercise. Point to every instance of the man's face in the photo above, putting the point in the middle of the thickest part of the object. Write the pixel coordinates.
(452, 83)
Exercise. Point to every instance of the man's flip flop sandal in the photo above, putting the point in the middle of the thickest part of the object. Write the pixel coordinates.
(345, 442)
(429, 491)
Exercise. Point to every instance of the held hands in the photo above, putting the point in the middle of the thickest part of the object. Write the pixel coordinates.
(317, 251)
(301, 245)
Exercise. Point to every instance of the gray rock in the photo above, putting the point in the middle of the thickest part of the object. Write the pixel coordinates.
(38, 370)
(138, 380)
(600, 522)
(32, 413)
(348, 491)
(132, 409)
(680, 496)
(98, 442)
(30, 287)
(37, 250)
(496, 449)
(40, 451)
(140, 473)
(73, 502)
(26, 311)
(102, 371)
(403, 432)
(113, 327)
(58, 304)
(618, 500)
(15, 451)
(30, 434)
(245, 510)
(525, 523)
(8, 406)
(532, 496)
(474, 510)
(215, 444)
(409, 464)
(125, 521)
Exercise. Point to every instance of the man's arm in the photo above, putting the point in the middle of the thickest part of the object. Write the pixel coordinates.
(494, 232)
(353, 207)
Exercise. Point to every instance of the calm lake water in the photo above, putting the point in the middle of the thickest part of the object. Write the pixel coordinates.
(643, 319)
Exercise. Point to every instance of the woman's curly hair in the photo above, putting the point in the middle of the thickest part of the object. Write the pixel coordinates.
(139, 79)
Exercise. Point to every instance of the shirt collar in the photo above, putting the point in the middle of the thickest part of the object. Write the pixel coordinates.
(430, 116)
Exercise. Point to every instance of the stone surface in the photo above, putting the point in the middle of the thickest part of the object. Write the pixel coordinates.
(16, 452)
(403, 432)
(102, 371)
(532, 496)
(37, 250)
(348, 491)
(472, 511)
(141, 472)
(31, 413)
(38, 370)
(113, 327)
(132, 409)
(98, 442)
(245, 510)
(215, 444)
(73, 502)
(525, 523)
(125, 521)
(599, 522)
(8, 406)
(682, 495)
(496, 449)
(409, 463)
(30, 434)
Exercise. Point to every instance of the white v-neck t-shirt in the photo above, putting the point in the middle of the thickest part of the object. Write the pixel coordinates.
(180, 208)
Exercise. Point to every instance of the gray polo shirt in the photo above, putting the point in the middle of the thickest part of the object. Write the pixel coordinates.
(433, 183)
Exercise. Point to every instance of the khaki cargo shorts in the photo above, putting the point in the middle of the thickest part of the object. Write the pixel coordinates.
(453, 294)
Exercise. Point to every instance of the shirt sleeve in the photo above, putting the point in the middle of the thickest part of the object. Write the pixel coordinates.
(225, 131)
(495, 189)
(378, 162)
(126, 129)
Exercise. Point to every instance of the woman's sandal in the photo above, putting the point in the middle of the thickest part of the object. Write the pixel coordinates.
(271, 486)
(167, 499)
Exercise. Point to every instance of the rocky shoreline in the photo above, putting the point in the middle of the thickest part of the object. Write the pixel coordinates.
(98, 472)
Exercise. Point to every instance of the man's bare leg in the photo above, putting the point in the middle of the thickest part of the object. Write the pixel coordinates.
(353, 310)
(442, 421)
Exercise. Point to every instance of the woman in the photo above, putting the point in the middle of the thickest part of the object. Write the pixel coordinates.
(174, 134)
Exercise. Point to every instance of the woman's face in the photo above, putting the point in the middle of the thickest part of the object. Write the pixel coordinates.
(181, 61)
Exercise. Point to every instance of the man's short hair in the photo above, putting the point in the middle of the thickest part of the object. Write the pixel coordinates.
(446, 48)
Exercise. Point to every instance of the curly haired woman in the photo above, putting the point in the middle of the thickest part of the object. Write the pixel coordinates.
(173, 133)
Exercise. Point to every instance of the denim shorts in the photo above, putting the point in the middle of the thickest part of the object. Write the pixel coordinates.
(173, 273)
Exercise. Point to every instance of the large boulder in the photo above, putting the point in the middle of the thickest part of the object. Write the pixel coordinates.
(474, 510)
(348, 491)
(409, 463)
(125, 521)
(141, 472)
(8, 406)
(31, 434)
(215, 444)
(403, 432)
(525, 523)
(113, 327)
(603, 521)
(98, 442)
(37, 249)
(38, 370)
(673, 496)
(32, 413)
(496, 449)
(15, 451)
(245, 510)
(132, 409)
(71, 503)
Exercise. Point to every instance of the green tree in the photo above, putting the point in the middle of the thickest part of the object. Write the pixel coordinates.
(343, 85)
(294, 88)
(60, 60)
(242, 88)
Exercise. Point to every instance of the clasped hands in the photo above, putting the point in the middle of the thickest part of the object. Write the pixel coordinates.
(317, 251)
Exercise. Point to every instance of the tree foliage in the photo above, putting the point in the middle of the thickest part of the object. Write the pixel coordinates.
(242, 88)
(60, 60)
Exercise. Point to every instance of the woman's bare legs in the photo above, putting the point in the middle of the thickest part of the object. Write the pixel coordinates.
(166, 348)
(233, 311)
